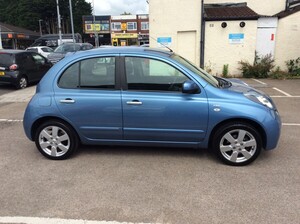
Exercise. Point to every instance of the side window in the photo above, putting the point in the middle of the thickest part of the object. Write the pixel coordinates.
(90, 73)
(70, 78)
(152, 75)
(38, 59)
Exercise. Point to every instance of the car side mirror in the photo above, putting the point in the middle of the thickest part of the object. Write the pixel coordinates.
(190, 87)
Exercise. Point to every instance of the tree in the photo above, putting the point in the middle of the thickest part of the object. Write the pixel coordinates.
(27, 13)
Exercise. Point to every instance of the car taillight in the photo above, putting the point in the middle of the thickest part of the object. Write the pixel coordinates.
(13, 67)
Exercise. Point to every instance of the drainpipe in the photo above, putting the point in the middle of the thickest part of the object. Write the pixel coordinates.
(202, 36)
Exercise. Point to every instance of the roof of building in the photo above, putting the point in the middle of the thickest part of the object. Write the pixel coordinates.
(7, 28)
(288, 12)
(241, 11)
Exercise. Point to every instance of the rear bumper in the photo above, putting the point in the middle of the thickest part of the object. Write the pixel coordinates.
(9, 77)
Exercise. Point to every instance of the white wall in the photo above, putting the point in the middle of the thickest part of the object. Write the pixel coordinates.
(288, 39)
(220, 51)
(175, 19)
(262, 7)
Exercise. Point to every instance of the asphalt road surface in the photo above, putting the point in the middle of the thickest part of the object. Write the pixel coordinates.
(149, 185)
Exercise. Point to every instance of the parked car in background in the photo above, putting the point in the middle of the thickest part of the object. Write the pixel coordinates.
(61, 51)
(19, 67)
(43, 50)
(145, 97)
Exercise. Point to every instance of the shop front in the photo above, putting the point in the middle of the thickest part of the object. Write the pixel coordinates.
(124, 39)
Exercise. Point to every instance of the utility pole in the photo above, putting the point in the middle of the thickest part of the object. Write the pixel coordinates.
(40, 25)
(72, 24)
(96, 34)
(59, 23)
(0, 39)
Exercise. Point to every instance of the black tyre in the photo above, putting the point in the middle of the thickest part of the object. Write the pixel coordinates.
(22, 83)
(56, 140)
(237, 144)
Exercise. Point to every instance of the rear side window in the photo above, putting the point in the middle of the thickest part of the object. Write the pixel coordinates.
(94, 73)
(6, 59)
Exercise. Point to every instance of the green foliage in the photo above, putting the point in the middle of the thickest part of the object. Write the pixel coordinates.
(225, 71)
(260, 68)
(279, 74)
(26, 14)
(293, 66)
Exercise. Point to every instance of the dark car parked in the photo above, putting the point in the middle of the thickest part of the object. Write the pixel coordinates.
(20, 67)
(61, 51)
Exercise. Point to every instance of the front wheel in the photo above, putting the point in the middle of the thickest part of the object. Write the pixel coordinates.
(56, 140)
(237, 144)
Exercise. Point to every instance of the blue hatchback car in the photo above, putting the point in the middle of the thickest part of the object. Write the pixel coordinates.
(147, 97)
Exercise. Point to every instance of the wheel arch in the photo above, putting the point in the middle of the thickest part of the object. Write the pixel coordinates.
(38, 122)
(254, 124)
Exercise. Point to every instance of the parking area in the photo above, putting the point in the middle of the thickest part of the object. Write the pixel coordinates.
(149, 185)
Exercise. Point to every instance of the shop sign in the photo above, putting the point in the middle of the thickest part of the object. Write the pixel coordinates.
(124, 35)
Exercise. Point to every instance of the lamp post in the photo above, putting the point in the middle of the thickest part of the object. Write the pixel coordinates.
(96, 34)
(40, 25)
(0, 39)
(72, 24)
(59, 23)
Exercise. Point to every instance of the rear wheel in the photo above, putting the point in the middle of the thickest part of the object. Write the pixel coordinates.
(22, 83)
(56, 140)
(237, 144)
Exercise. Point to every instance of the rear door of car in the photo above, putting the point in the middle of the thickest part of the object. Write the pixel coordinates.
(41, 65)
(88, 96)
(154, 107)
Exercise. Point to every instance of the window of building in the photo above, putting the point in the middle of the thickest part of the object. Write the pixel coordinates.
(116, 26)
(146, 74)
(90, 73)
(144, 25)
(131, 26)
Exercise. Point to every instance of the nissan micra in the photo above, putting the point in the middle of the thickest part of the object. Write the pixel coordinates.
(148, 97)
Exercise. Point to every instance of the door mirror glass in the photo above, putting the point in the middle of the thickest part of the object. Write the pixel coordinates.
(191, 87)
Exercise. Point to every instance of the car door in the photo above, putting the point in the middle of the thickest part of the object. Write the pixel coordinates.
(154, 107)
(41, 65)
(27, 65)
(88, 96)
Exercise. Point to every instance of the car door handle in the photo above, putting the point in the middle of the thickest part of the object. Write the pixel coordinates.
(67, 101)
(134, 102)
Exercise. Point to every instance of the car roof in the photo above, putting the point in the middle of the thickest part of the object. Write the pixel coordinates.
(129, 49)
(38, 47)
(11, 51)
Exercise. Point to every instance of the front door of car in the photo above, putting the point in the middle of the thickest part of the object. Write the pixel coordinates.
(87, 97)
(154, 107)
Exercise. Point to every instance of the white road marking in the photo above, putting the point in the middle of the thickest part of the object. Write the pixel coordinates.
(259, 82)
(36, 220)
(290, 124)
(10, 120)
(279, 90)
(285, 96)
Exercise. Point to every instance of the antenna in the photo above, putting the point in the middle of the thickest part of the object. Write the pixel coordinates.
(162, 44)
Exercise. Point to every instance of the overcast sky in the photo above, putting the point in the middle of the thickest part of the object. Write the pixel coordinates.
(117, 7)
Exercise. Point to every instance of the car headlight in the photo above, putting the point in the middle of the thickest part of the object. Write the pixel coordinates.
(257, 97)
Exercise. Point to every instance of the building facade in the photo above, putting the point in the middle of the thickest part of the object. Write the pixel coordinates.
(214, 33)
(123, 30)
